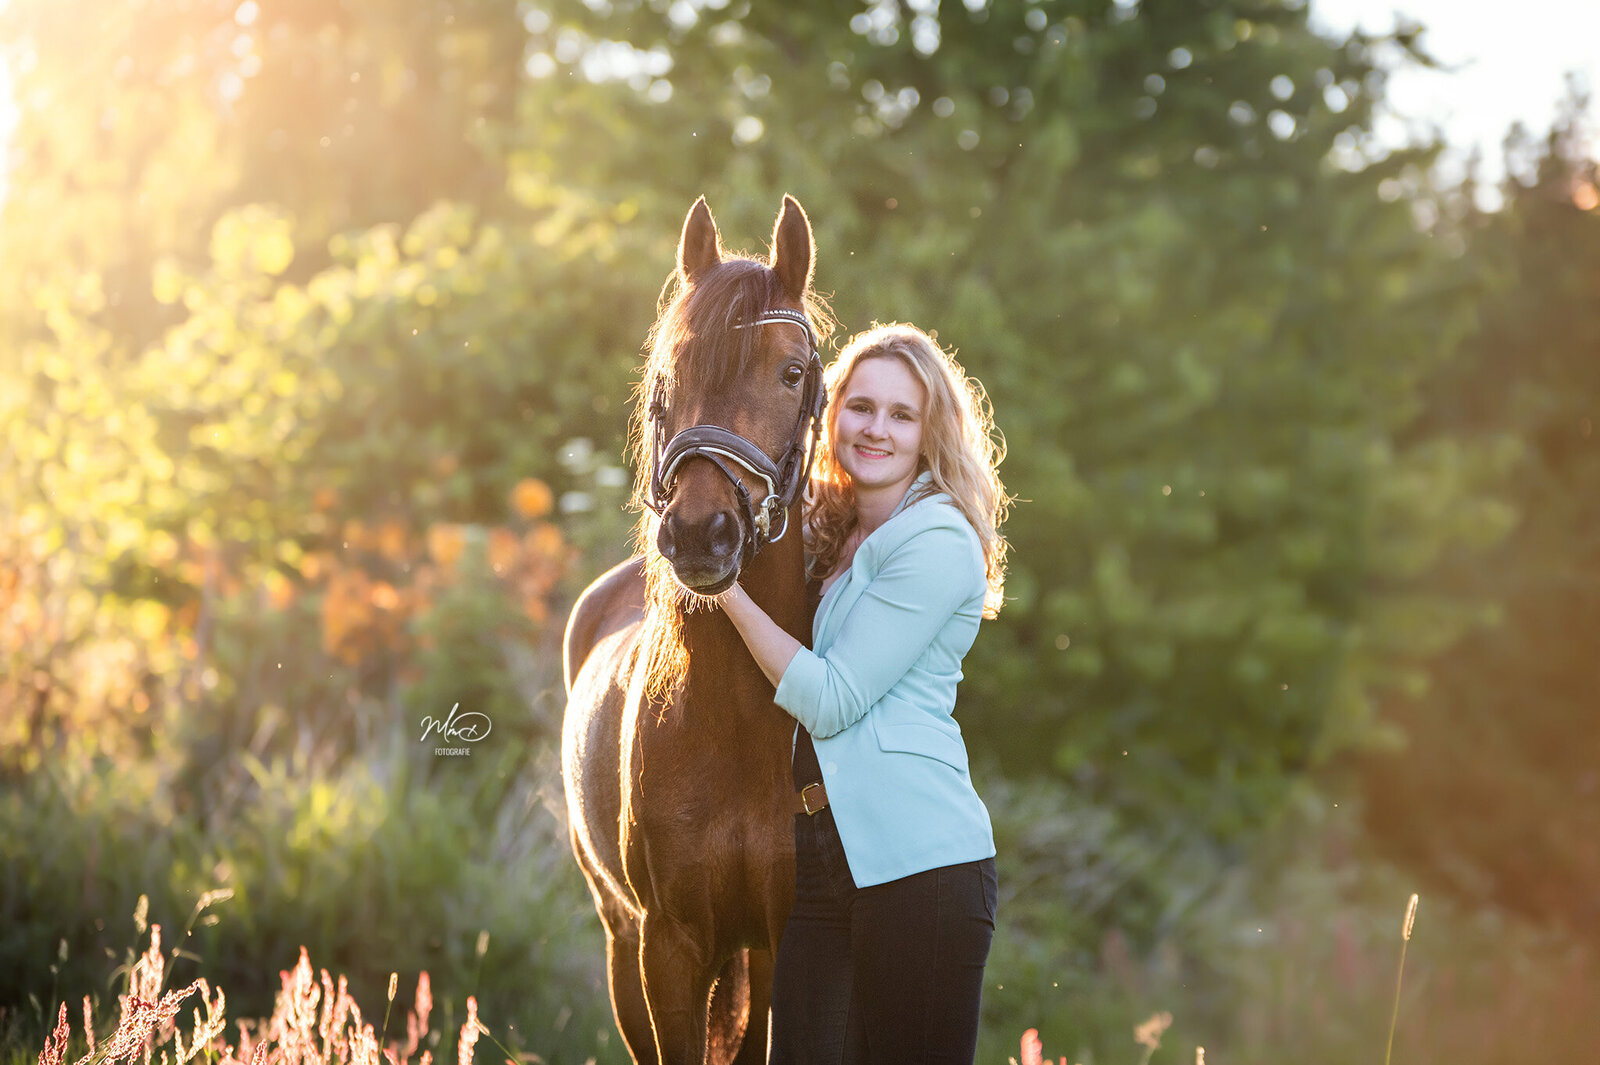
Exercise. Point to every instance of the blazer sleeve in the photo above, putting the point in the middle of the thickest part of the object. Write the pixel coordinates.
(920, 586)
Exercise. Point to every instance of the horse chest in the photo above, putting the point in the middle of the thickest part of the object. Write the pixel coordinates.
(712, 789)
(719, 801)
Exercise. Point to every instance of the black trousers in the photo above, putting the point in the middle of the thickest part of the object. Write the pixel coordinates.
(885, 974)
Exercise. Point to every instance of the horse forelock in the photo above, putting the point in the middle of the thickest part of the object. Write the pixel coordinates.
(695, 348)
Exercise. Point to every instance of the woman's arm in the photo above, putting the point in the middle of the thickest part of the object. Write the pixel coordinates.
(771, 647)
(923, 583)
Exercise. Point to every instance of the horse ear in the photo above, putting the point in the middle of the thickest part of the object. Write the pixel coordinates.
(792, 249)
(698, 248)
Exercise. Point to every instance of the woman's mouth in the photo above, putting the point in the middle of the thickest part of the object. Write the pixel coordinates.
(871, 452)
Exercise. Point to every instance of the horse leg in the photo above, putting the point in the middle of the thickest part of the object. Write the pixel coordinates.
(753, 1051)
(728, 1017)
(627, 998)
(677, 987)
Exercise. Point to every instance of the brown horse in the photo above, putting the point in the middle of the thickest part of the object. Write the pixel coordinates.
(674, 756)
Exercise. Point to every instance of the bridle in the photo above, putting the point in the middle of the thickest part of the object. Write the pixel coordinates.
(784, 479)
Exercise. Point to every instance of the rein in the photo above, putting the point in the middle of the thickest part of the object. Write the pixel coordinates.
(783, 479)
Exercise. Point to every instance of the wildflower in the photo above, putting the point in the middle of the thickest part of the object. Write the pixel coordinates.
(55, 1048)
(424, 1002)
(141, 1018)
(417, 1018)
(149, 972)
(298, 1033)
(364, 1046)
(1032, 1048)
(294, 1019)
(209, 1029)
(469, 1033)
(329, 1021)
(1148, 1034)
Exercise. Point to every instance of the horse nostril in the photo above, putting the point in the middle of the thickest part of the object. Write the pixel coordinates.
(722, 531)
(666, 541)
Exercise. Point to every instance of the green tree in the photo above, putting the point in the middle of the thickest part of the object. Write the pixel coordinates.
(249, 361)
(216, 319)
(1516, 830)
(1202, 311)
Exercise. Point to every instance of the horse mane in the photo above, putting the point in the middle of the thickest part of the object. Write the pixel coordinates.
(693, 348)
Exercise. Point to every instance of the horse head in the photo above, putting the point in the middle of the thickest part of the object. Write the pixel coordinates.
(732, 399)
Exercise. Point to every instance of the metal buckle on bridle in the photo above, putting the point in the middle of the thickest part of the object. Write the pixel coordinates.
(784, 479)
(771, 508)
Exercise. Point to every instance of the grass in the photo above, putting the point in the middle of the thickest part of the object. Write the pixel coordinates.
(315, 1021)
(1318, 986)
(1148, 1033)
(1400, 972)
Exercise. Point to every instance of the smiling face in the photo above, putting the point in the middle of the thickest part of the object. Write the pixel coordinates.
(877, 432)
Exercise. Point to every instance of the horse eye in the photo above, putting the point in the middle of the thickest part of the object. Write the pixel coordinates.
(793, 374)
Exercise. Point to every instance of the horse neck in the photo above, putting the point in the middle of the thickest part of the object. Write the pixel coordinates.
(776, 581)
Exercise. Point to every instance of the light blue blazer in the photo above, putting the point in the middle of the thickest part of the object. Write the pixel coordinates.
(878, 690)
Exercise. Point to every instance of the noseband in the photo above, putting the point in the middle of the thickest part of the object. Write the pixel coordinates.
(783, 479)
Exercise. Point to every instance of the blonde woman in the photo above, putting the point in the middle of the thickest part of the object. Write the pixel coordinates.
(882, 957)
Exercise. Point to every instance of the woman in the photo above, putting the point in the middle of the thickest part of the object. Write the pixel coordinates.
(882, 958)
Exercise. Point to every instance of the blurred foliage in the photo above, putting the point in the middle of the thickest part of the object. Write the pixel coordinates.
(317, 334)
(1519, 830)
(1289, 956)
(388, 863)
(1160, 218)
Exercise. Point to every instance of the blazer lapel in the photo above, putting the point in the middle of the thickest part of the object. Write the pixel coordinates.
(845, 587)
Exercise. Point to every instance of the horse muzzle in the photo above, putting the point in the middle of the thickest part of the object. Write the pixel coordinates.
(707, 555)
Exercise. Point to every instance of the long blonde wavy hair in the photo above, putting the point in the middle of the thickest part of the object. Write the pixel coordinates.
(961, 448)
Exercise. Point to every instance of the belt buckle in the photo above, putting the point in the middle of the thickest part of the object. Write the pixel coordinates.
(805, 799)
